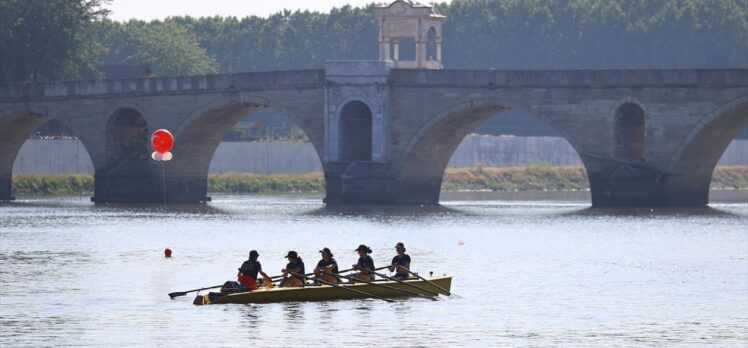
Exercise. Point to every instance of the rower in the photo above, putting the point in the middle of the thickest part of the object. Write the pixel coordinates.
(328, 265)
(295, 265)
(365, 264)
(400, 263)
(248, 271)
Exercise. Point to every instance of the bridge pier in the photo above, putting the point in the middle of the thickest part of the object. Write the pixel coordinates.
(147, 188)
(142, 181)
(6, 187)
(358, 183)
(616, 182)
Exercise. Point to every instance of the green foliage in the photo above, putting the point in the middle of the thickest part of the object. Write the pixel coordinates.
(47, 39)
(479, 34)
(535, 177)
(171, 50)
(276, 183)
(52, 39)
(26, 185)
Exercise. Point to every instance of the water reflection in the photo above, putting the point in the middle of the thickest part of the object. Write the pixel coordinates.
(530, 273)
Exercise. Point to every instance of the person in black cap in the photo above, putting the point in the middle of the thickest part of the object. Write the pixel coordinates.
(400, 261)
(249, 269)
(328, 265)
(365, 264)
(295, 265)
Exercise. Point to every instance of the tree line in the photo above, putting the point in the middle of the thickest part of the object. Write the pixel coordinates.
(52, 39)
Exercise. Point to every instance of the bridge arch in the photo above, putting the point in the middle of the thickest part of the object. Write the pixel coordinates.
(198, 138)
(697, 155)
(420, 168)
(16, 125)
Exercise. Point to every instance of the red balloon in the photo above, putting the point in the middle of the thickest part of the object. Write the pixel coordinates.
(162, 140)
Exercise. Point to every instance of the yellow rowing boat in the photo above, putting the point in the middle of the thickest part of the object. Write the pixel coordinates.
(385, 289)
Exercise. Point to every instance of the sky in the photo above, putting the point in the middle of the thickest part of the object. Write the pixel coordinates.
(123, 10)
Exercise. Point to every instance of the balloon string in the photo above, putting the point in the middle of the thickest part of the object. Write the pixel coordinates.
(163, 180)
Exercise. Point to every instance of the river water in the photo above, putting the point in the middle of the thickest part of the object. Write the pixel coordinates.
(527, 272)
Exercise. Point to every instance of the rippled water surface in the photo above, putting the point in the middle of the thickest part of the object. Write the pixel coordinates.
(528, 273)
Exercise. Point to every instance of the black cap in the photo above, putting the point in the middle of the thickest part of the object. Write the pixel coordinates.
(400, 245)
(253, 253)
(292, 254)
(364, 248)
(326, 251)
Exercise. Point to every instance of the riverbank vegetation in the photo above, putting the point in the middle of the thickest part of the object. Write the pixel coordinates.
(51, 40)
(536, 177)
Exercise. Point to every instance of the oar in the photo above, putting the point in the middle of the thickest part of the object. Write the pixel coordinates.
(308, 274)
(428, 281)
(182, 293)
(384, 286)
(343, 287)
(402, 282)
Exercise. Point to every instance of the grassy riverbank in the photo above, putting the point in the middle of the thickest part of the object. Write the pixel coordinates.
(528, 178)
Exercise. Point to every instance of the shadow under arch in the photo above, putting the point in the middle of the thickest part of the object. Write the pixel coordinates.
(16, 125)
(698, 154)
(420, 168)
(198, 138)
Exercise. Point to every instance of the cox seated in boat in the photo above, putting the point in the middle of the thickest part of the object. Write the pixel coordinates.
(365, 264)
(400, 263)
(327, 267)
(249, 269)
(295, 265)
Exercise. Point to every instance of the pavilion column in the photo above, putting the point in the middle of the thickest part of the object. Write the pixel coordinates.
(397, 50)
(386, 49)
(439, 50)
(421, 52)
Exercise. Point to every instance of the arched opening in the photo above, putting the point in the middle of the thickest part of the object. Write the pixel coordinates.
(356, 132)
(268, 143)
(431, 45)
(127, 136)
(240, 138)
(53, 149)
(479, 160)
(629, 132)
(696, 158)
(34, 144)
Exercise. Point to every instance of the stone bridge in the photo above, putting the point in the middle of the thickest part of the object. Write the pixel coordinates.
(384, 135)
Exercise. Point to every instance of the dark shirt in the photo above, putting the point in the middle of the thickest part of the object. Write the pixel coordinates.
(296, 265)
(251, 268)
(401, 261)
(332, 263)
(365, 262)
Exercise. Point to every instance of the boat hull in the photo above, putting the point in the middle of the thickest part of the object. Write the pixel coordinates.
(327, 292)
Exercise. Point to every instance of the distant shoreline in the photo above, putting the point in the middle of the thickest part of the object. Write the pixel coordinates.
(531, 178)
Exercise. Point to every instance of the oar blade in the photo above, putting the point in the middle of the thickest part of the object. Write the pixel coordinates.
(177, 294)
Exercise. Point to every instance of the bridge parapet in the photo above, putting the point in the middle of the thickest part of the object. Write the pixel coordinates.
(164, 85)
(570, 78)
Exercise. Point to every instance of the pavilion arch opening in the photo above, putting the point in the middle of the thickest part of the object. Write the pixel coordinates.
(431, 45)
(629, 132)
(127, 136)
(355, 132)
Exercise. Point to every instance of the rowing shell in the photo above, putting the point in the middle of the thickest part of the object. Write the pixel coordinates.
(327, 292)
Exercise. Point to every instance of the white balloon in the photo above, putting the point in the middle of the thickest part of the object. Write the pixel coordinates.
(156, 156)
(167, 156)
